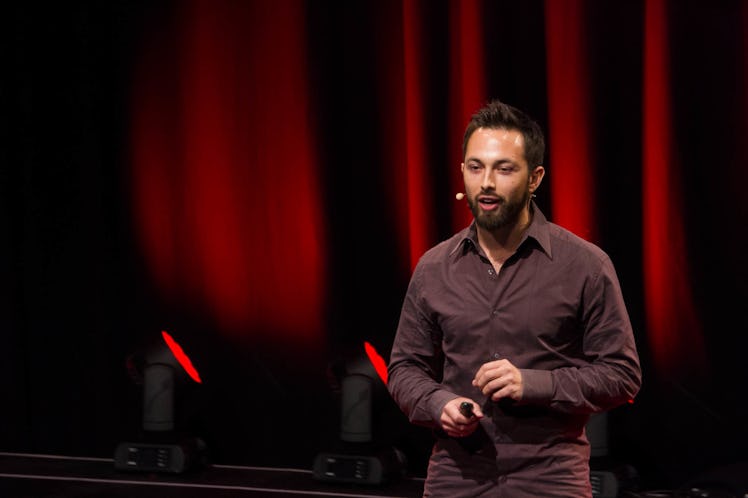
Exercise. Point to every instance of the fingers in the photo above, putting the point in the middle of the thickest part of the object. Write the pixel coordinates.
(491, 371)
(512, 391)
(499, 379)
(474, 410)
(458, 429)
(455, 422)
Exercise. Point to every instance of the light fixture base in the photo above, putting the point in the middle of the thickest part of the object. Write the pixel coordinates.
(373, 468)
(172, 458)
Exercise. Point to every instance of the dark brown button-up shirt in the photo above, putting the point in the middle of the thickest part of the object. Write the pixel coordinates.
(555, 310)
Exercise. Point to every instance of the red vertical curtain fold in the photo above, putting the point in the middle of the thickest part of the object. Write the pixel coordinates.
(570, 170)
(673, 326)
(420, 204)
(467, 92)
(225, 179)
(467, 89)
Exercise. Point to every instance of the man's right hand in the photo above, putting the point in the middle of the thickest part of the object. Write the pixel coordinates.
(455, 423)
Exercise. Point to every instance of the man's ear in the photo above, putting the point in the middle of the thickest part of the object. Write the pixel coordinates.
(536, 177)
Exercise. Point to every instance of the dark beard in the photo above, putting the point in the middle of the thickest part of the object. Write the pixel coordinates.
(507, 214)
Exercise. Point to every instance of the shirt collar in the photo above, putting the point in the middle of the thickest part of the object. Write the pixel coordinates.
(538, 231)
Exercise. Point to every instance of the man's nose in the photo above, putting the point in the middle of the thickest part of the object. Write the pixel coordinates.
(487, 183)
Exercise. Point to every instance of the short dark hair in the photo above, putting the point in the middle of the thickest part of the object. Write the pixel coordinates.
(497, 115)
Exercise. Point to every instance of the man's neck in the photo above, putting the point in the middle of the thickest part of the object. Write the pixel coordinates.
(501, 243)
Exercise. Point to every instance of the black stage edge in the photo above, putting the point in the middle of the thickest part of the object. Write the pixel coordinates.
(25, 475)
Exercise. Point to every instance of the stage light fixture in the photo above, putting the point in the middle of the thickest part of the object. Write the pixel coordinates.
(163, 448)
(358, 457)
(609, 477)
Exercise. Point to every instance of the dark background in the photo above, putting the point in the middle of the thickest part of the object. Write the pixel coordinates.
(79, 296)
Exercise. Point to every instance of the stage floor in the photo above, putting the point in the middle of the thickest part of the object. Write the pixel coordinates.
(25, 475)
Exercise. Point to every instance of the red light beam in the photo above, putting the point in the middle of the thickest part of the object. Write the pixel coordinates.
(377, 361)
(181, 357)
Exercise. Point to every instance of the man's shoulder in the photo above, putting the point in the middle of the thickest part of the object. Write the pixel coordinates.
(566, 243)
(444, 249)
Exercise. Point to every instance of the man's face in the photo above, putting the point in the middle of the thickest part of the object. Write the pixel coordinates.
(497, 177)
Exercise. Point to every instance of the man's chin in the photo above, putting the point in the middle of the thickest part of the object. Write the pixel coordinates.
(490, 222)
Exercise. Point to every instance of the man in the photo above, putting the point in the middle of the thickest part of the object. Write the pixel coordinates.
(512, 332)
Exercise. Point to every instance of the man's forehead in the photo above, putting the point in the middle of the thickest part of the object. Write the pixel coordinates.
(497, 136)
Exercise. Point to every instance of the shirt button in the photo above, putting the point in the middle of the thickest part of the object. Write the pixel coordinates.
(491, 272)
(495, 312)
(502, 479)
(496, 356)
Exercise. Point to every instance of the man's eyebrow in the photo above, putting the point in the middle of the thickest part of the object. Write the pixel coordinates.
(503, 160)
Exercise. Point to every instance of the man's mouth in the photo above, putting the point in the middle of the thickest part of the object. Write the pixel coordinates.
(488, 203)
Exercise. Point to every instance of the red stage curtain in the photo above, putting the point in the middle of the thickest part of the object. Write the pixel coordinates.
(673, 325)
(571, 173)
(468, 89)
(227, 184)
(227, 192)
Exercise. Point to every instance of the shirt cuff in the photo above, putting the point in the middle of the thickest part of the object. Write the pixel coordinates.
(537, 386)
(438, 400)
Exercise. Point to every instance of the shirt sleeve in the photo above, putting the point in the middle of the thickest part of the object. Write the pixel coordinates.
(610, 373)
(415, 367)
